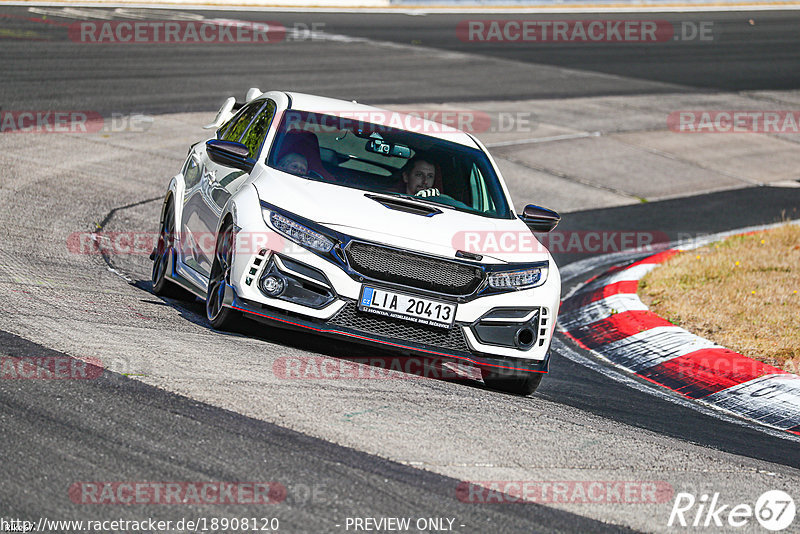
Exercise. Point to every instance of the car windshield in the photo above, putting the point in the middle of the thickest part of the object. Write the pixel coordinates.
(350, 152)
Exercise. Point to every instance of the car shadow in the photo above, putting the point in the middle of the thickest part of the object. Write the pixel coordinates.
(381, 363)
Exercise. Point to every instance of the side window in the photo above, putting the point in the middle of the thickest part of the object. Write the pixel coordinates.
(477, 189)
(240, 123)
(192, 173)
(481, 200)
(254, 136)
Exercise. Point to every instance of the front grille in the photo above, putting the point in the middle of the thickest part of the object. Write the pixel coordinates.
(351, 317)
(413, 270)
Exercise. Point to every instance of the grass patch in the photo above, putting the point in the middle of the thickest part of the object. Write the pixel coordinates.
(743, 293)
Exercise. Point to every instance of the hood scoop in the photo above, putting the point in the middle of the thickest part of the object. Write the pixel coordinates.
(407, 206)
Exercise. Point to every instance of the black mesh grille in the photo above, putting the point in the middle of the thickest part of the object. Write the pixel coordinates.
(351, 317)
(413, 270)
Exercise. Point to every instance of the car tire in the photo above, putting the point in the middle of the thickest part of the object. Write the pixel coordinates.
(163, 286)
(221, 317)
(517, 384)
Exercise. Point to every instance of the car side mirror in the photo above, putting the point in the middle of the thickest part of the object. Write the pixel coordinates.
(230, 154)
(539, 219)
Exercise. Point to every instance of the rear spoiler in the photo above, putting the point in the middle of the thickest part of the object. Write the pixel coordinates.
(230, 107)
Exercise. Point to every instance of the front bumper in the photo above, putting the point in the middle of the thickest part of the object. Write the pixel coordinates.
(349, 324)
(471, 339)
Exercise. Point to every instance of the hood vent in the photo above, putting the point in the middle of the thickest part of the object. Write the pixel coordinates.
(407, 206)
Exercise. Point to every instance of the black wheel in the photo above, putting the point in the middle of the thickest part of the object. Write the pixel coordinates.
(162, 285)
(219, 316)
(506, 381)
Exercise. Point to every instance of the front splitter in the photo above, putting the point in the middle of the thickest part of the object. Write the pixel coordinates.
(278, 318)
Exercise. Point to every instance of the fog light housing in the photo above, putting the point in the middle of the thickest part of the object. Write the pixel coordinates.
(509, 327)
(524, 338)
(272, 285)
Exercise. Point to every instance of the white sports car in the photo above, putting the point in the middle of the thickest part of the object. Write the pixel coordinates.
(350, 221)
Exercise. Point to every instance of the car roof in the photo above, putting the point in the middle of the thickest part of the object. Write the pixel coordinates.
(383, 117)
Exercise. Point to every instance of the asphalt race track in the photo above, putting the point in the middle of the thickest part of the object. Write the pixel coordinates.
(177, 401)
(121, 77)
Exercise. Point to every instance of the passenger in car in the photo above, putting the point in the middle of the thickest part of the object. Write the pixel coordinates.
(306, 145)
(294, 163)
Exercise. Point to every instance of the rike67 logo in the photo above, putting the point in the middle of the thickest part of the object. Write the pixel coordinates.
(774, 510)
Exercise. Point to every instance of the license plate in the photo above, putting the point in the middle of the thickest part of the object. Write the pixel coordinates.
(407, 307)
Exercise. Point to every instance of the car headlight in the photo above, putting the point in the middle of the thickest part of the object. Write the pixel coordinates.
(522, 279)
(298, 233)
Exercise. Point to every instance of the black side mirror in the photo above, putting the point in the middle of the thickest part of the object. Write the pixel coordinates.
(230, 154)
(539, 219)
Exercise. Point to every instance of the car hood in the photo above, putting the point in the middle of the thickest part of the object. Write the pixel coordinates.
(352, 212)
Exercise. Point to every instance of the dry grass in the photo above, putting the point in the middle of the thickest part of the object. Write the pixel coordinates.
(743, 293)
